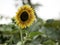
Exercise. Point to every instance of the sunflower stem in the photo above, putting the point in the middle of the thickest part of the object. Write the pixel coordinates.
(21, 37)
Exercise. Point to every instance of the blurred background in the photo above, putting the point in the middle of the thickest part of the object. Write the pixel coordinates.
(49, 9)
(44, 31)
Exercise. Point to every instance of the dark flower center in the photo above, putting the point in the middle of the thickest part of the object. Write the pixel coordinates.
(24, 16)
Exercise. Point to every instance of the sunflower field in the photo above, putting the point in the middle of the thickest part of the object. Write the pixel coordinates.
(27, 28)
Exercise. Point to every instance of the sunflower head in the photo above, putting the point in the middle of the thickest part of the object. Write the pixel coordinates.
(25, 16)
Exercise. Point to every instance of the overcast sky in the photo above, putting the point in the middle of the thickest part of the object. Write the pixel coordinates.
(49, 9)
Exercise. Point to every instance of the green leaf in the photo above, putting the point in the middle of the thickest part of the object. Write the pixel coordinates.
(49, 42)
(36, 25)
(32, 34)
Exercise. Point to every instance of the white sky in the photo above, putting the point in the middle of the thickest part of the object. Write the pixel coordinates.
(7, 7)
(49, 9)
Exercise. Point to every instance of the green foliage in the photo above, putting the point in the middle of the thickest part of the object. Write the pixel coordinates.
(39, 33)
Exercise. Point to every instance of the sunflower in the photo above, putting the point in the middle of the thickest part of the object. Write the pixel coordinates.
(25, 16)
